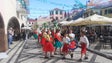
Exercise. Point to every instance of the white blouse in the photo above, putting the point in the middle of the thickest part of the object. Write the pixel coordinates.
(85, 40)
(66, 39)
(72, 35)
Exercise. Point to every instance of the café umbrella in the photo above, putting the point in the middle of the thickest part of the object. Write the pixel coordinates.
(73, 23)
(95, 20)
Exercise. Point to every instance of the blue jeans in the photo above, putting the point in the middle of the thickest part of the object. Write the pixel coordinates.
(10, 38)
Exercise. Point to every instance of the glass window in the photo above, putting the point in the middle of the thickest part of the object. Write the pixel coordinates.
(109, 11)
(101, 12)
(51, 12)
(60, 12)
(56, 12)
(105, 11)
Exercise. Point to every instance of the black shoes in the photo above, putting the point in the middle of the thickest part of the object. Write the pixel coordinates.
(46, 57)
(51, 56)
(71, 56)
(55, 53)
(80, 60)
(63, 58)
(86, 58)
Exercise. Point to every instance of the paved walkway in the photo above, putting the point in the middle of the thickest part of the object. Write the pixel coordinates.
(31, 52)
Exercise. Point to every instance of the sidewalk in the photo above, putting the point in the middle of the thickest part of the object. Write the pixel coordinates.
(5, 54)
(10, 53)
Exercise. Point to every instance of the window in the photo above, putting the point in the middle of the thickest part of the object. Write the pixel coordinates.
(60, 12)
(56, 12)
(105, 11)
(109, 11)
(51, 12)
(101, 12)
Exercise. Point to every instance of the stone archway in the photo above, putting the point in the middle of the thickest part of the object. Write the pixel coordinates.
(3, 44)
(14, 23)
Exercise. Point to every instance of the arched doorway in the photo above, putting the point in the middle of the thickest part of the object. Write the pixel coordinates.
(14, 23)
(2, 36)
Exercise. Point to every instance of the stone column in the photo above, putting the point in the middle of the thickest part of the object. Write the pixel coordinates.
(3, 41)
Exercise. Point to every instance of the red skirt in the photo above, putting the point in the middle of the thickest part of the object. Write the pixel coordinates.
(72, 45)
(48, 47)
(43, 40)
(83, 48)
(65, 48)
(39, 38)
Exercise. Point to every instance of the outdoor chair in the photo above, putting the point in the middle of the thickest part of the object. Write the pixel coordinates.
(105, 41)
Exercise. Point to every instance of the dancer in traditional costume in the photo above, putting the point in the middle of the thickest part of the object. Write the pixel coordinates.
(35, 34)
(43, 38)
(48, 47)
(72, 45)
(58, 39)
(65, 41)
(84, 44)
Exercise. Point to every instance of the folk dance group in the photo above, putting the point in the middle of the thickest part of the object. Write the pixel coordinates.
(51, 40)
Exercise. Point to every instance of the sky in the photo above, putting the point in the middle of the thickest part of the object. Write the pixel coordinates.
(42, 7)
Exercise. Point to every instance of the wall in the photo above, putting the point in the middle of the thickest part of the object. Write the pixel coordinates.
(8, 10)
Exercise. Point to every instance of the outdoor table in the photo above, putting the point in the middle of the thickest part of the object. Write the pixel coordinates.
(108, 38)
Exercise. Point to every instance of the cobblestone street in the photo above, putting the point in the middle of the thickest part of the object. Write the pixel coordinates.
(32, 53)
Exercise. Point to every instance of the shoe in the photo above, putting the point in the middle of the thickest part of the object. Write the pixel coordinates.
(63, 58)
(46, 57)
(55, 53)
(61, 54)
(86, 58)
(80, 60)
(71, 56)
(52, 56)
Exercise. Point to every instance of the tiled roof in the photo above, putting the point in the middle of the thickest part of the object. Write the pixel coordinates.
(33, 20)
(56, 9)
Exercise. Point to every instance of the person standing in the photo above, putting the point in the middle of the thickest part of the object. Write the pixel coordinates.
(35, 34)
(10, 36)
(65, 49)
(72, 44)
(42, 38)
(58, 43)
(84, 42)
(48, 47)
(23, 35)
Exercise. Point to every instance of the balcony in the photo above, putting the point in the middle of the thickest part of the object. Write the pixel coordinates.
(20, 8)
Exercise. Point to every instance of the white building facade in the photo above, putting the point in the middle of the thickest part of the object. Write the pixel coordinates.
(13, 14)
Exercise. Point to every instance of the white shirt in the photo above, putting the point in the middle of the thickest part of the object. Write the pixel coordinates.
(85, 40)
(11, 32)
(72, 35)
(66, 39)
